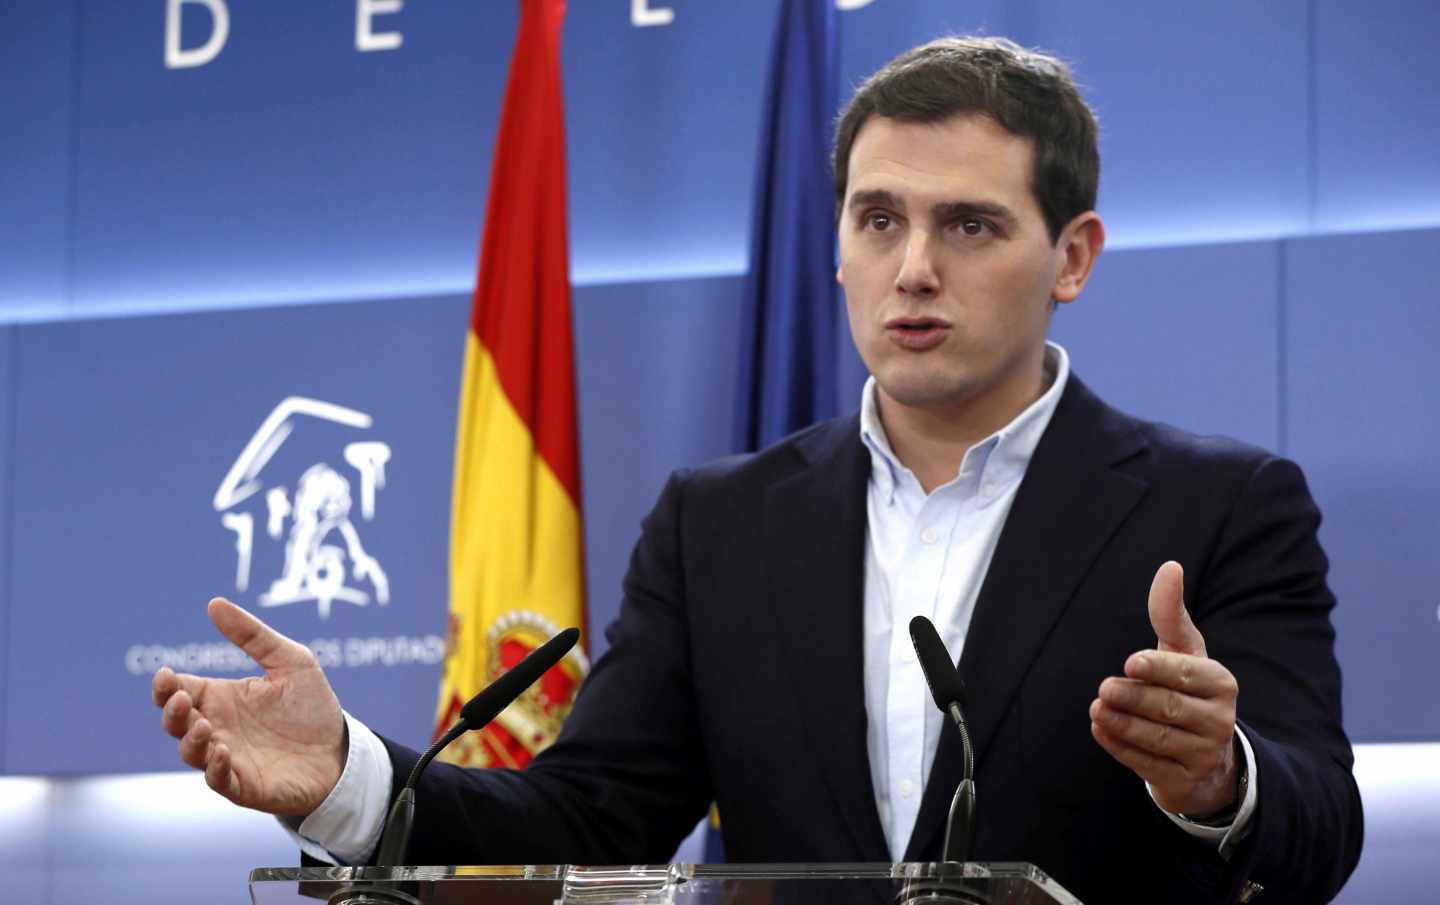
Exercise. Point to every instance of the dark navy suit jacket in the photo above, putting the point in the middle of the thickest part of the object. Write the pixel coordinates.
(734, 674)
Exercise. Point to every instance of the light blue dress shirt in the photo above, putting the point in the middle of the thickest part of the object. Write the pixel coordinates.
(927, 555)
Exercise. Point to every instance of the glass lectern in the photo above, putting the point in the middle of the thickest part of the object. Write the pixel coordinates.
(674, 884)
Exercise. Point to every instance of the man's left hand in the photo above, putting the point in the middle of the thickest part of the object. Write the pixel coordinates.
(1171, 719)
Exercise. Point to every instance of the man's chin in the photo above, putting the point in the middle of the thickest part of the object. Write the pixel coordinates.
(927, 394)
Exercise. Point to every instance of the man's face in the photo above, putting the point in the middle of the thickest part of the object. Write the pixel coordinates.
(948, 268)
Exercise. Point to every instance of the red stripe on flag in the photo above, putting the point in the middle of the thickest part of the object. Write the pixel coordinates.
(522, 295)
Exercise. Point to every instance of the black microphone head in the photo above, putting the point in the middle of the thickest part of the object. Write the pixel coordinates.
(940, 673)
(486, 705)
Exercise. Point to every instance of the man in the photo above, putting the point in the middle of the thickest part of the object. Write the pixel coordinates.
(1167, 735)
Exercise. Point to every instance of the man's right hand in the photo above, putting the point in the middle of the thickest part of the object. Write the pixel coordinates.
(275, 743)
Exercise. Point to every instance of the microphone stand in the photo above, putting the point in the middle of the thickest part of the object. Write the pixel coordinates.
(395, 839)
(947, 888)
(476, 714)
(962, 806)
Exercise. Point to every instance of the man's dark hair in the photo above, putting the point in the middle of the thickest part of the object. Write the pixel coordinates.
(1029, 93)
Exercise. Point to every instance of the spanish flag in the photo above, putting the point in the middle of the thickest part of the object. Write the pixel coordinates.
(516, 568)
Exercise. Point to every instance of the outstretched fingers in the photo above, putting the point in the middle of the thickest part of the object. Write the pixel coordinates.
(1189, 675)
(1159, 739)
(1153, 768)
(166, 682)
(219, 775)
(162, 685)
(178, 714)
(196, 743)
(1201, 715)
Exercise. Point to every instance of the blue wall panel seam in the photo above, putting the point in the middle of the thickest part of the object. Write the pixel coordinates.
(72, 156)
(52, 842)
(11, 342)
(1282, 359)
(1312, 118)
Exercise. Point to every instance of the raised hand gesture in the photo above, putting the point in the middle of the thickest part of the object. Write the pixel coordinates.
(1171, 719)
(275, 743)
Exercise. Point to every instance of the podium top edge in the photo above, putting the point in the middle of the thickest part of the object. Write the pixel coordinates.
(665, 873)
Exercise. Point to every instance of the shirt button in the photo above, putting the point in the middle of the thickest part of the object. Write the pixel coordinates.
(907, 788)
(929, 536)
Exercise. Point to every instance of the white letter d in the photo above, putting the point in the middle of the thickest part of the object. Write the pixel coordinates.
(177, 58)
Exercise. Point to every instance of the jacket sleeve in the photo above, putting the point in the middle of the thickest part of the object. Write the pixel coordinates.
(1264, 608)
(626, 780)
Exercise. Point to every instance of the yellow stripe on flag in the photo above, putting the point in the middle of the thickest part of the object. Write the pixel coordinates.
(515, 556)
(516, 568)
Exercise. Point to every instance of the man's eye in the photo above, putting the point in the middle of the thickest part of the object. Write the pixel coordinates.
(973, 226)
(878, 221)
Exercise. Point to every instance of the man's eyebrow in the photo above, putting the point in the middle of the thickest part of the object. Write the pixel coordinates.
(952, 210)
(873, 198)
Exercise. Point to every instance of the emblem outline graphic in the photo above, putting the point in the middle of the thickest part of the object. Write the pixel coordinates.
(319, 508)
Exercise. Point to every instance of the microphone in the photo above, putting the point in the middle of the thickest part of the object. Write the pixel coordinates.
(949, 693)
(478, 712)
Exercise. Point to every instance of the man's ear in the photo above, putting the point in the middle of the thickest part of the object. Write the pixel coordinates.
(1080, 244)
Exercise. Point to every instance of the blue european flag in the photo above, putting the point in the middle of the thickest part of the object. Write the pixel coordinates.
(788, 339)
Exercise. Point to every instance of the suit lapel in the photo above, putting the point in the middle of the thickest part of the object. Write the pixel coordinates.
(815, 542)
(1067, 507)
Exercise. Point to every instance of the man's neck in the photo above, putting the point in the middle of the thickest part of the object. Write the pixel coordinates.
(932, 441)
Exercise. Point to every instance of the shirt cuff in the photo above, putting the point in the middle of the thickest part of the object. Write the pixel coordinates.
(1225, 838)
(345, 829)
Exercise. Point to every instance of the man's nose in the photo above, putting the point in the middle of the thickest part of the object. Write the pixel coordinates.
(917, 275)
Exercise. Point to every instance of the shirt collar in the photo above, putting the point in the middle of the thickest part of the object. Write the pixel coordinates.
(997, 461)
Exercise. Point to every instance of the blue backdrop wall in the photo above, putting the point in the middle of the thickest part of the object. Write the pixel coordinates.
(286, 203)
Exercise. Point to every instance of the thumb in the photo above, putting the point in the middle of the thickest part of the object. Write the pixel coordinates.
(1168, 616)
(262, 643)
